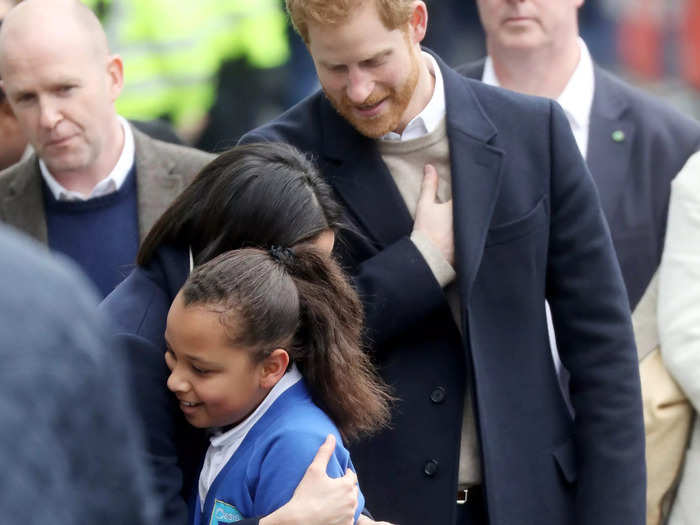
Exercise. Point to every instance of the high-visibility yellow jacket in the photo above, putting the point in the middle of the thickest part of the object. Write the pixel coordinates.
(173, 50)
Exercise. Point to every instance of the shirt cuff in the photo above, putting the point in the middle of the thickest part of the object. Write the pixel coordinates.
(442, 270)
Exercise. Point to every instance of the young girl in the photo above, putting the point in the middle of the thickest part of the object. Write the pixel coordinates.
(264, 348)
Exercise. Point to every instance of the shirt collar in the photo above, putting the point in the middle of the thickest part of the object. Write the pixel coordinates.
(577, 97)
(427, 120)
(109, 184)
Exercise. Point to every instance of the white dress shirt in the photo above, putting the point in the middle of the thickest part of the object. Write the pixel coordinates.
(427, 120)
(109, 184)
(576, 99)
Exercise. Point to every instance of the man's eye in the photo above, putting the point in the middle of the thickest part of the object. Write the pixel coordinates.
(24, 99)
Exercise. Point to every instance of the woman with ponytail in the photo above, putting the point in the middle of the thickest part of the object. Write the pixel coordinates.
(264, 349)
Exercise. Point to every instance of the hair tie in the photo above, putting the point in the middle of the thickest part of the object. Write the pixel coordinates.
(281, 254)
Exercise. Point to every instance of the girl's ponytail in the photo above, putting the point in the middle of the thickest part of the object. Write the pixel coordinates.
(299, 300)
(328, 344)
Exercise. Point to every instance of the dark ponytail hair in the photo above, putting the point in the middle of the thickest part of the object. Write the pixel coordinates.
(299, 300)
(251, 195)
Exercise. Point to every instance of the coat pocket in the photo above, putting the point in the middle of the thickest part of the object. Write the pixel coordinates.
(520, 227)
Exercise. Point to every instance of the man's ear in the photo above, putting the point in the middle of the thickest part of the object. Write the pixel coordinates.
(273, 368)
(115, 76)
(418, 22)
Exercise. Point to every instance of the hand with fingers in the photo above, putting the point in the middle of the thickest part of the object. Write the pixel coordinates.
(319, 499)
(433, 218)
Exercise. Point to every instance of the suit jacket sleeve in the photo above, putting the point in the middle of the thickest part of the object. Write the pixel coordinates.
(594, 334)
(398, 289)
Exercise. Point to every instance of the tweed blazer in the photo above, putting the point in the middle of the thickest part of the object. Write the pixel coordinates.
(162, 172)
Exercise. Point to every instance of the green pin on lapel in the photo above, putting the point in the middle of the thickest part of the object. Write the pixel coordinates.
(618, 135)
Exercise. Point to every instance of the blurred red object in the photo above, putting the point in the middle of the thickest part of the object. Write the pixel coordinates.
(640, 39)
(690, 43)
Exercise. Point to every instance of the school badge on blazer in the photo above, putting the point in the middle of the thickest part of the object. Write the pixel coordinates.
(224, 513)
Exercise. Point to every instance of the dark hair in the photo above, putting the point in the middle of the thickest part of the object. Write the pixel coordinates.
(301, 302)
(251, 195)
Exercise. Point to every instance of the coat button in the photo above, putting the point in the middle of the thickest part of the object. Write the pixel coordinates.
(437, 396)
(430, 468)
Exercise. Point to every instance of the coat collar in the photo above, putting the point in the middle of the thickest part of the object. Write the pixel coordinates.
(156, 187)
(23, 205)
(354, 167)
(608, 159)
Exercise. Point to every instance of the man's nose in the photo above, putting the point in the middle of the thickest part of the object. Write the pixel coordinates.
(50, 114)
(360, 86)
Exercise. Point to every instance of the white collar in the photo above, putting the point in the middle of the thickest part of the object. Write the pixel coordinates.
(224, 444)
(223, 439)
(577, 97)
(27, 153)
(427, 120)
(109, 184)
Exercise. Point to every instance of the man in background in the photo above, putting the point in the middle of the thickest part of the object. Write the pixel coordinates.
(633, 143)
(94, 185)
(13, 144)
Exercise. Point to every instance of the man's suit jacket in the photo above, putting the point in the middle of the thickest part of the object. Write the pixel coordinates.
(634, 175)
(162, 172)
(528, 226)
(679, 322)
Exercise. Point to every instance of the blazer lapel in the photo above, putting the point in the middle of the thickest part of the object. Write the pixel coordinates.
(610, 142)
(476, 174)
(353, 166)
(156, 188)
(23, 206)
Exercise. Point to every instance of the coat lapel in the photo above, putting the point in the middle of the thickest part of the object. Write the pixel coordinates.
(23, 206)
(611, 136)
(156, 187)
(476, 174)
(354, 167)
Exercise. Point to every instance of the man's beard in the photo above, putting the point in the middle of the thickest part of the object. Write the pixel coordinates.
(396, 100)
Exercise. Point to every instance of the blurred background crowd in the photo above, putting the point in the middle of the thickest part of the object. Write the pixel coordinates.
(250, 64)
